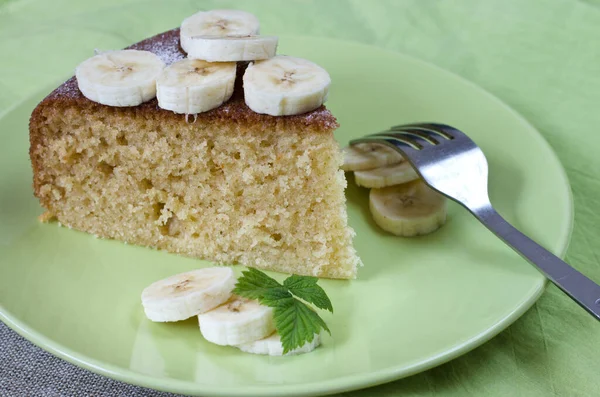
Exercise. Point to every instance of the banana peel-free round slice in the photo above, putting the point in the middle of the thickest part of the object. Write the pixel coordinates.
(410, 209)
(188, 294)
(232, 48)
(285, 85)
(192, 86)
(271, 346)
(221, 23)
(388, 175)
(367, 156)
(119, 78)
(236, 322)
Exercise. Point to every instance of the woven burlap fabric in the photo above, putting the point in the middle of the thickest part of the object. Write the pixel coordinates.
(27, 370)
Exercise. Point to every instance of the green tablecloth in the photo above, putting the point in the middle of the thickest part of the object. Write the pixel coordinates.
(542, 57)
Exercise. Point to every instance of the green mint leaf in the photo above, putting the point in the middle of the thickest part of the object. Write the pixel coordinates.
(296, 323)
(254, 284)
(274, 297)
(306, 288)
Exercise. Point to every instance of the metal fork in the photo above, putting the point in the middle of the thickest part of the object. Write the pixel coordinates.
(451, 163)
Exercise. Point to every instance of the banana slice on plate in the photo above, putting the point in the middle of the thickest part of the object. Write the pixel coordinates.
(119, 78)
(217, 23)
(388, 175)
(285, 85)
(367, 156)
(236, 322)
(409, 209)
(272, 346)
(232, 48)
(193, 86)
(188, 294)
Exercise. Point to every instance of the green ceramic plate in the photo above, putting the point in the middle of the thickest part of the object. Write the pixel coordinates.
(416, 303)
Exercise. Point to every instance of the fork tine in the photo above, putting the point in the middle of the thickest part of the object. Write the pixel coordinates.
(442, 130)
(391, 141)
(417, 133)
(398, 137)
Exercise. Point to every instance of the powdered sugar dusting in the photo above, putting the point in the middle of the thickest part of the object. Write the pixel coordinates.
(68, 89)
(165, 45)
(321, 115)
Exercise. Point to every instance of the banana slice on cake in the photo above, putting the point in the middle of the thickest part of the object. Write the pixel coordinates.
(367, 156)
(236, 322)
(388, 175)
(119, 78)
(409, 209)
(193, 86)
(188, 294)
(232, 48)
(271, 346)
(285, 85)
(217, 23)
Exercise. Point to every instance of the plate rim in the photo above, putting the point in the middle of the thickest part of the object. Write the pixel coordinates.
(338, 384)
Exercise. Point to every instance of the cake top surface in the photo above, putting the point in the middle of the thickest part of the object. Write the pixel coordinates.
(166, 46)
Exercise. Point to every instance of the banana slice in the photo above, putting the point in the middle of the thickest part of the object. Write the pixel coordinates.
(188, 294)
(119, 78)
(271, 346)
(217, 23)
(388, 175)
(366, 156)
(285, 85)
(236, 322)
(407, 210)
(232, 48)
(193, 86)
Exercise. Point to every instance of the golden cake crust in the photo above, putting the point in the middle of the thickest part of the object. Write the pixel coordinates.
(166, 46)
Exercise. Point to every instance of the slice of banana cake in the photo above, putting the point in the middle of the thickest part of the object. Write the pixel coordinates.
(229, 185)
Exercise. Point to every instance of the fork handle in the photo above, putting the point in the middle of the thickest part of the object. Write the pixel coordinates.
(580, 288)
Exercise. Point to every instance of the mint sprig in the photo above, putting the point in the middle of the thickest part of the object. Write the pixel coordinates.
(295, 321)
(306, 288)
(254, 284)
